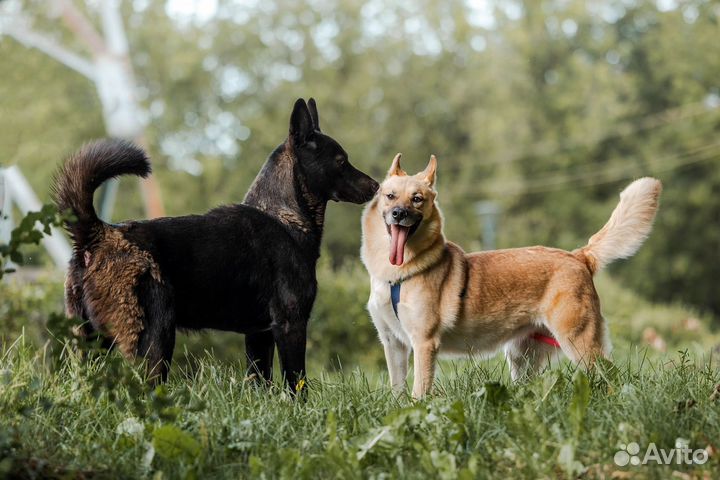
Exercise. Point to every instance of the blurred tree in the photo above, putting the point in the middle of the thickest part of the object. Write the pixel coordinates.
(547, 108)
(109, 69)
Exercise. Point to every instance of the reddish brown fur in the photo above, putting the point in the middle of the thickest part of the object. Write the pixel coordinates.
(109, 289)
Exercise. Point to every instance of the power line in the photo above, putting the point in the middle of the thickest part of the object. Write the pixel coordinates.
(609, 175)
(664, 118)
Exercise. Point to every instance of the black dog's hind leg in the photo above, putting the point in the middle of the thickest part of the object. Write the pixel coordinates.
(75, 307)
(260, 349)
(157, 340)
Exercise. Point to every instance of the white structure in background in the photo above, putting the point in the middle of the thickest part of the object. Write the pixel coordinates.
(6, 223)
(489, 213)
(108, 67)
(14, 189)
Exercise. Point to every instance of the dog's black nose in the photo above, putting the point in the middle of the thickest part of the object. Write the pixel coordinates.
(399, 213)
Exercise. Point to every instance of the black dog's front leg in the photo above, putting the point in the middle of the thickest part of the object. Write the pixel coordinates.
(289, 311)
(290, 337)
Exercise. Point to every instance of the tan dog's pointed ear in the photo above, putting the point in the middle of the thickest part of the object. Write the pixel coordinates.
(395, 169)
(429, 173)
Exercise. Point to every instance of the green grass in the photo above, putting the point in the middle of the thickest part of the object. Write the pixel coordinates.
(69, 415)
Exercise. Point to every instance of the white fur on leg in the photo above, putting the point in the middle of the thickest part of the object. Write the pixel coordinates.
(396, 356)
(527, 356)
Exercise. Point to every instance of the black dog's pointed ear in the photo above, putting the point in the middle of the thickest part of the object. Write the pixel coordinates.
(301, 124)
(312, 106)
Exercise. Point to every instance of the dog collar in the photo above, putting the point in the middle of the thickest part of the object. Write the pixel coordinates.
(395, 293)
(539, 337)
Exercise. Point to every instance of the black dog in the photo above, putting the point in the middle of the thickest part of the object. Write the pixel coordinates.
(247, 268)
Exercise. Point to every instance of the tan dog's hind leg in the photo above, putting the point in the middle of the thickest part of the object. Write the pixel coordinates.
(580, 330)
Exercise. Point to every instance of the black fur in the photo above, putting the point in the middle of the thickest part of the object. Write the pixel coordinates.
(85, 171)
(247, 268)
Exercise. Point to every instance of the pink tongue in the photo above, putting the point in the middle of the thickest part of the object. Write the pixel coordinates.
(398, 238)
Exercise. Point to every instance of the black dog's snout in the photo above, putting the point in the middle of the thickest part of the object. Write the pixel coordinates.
(399, 213)
(374, 186)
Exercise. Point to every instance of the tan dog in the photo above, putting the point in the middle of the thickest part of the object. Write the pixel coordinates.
(457, 303)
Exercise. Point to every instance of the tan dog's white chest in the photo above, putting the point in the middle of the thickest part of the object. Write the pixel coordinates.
(383, 315)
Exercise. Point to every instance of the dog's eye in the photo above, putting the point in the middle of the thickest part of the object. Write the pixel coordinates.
(340, 159)
(390, 196)
(417, 199)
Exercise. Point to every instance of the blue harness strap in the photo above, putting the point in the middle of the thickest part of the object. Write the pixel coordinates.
(395, 296)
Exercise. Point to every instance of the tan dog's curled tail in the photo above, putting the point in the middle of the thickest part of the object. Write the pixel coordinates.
(628, 227)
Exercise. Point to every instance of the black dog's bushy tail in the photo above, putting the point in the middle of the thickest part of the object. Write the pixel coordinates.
(79, 177)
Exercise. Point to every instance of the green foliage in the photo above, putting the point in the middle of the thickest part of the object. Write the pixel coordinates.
(94, 417)
(340, 331)
(28, 233)
(28, 307)
(580, 399)
(172, 443)
(495, 393)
